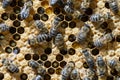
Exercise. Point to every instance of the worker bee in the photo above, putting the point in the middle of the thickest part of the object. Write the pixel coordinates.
(89, 59)
(10, 66)
(113, 6)
(75, 75)
(68, 8)
(103, 40)
(32, 40)
(3, 27)
(112, 63)
(6, 3)
(86, 78)
(57, 2)
(96, 18)
(26, 9)
(56, 21)
(59, 41)
(67, 70)
(33, 64)
(41, 70)
(82, 35)
(41, 26)
(38, 77)
(101, 66)
(76, 14)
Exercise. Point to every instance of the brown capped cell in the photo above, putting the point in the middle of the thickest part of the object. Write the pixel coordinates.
(75, 44)
(12, 43)
(12, 30)
(1, 76)
(36, 17)
(8, 49)
(40, 10)
(55, 64)
(27, 56)
(21, 3)
(20, 30)
(43, 57)
(16, 23)
(45, 3)
(13, 3)
(2, 36)
(47, 64)
(58, 71)
(16, 9)
(12, 16)
(49, 10)
(47, 77)
(51, 71)
(35, 57)
(4, 16)
(63, 63)
(44, 17)
(16, 36)
(71, 37)
(59, 57)
(23, 76)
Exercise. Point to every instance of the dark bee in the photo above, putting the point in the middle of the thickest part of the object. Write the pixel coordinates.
(3, 27)
(67, 70)
(57, 2)
(82, 35)
(75, 75)
(68, 8)
(38, 77)
(6, 3)
(101, 66)
(26, 9)
(103, 40)
(59, 41)
(33, 64)
(113, 6)
(10, 66)
(41, 26)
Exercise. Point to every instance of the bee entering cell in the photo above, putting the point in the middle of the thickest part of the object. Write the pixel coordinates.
(64, 24)
(44, 57)
(40, 62)
(16, 9)
(63, 63)
(36, 17)
(1, 36)
(16, 36)
(4, 16)
(47, 77)
(1, 76)
(12, 30)
(16, 23)
(12, 16)
(47, 64)
(40, 10)
(58, 71)
(20, 30)
(8, 49)
(12, 43)
(35, 57)
(19, 17)
(107, 5)
(23, 76)
(49, 10)
(44, 17)
(27, 56)
(61, 16)
(59, 57)
(51, 71)
(55, 64)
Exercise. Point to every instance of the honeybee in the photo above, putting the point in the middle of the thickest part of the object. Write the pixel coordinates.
(26, 9)
(10, 66)
(3, 27)
(6, 3)
(33, 64)
(103, 40)
(75, 75)
(113, 6)
(82, 35)
(57, 2)
(101, 66)
(96, 18)
(41, 70)
(76, 14)
(41, 26)
(67, 70)
(86, 78)
(89, 59)
(59, 41)
(38, 77)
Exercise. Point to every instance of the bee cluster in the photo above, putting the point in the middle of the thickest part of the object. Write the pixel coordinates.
(52, 24)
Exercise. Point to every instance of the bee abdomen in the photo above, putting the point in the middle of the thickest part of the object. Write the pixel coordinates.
(12, 68)
(53, 32)
(6, 3)
(33, 64)
(81, 37)
(95, 18)
(42, 37)
(98, 43)
(38, 77)
(114, 7)
(3, 27)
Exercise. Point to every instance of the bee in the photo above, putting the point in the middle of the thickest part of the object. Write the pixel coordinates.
(33, 64)
(113, 6)
(101, 66)
(112, 63)
(68, 8)
(10, 66)
(3, 27)
(86, 78)
(26, 9)
(59, 41)
(89, 59)
(38, 77)
(103, 40)
(92, 75)
(41, 70)
(96, 18)
(57, 2)
(67, 70)
(6, 3)
(82, 35)
(76, 14)
(75, 75)
(41, 26)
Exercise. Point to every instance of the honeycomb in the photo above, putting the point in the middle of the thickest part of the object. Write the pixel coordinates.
(14, 43)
